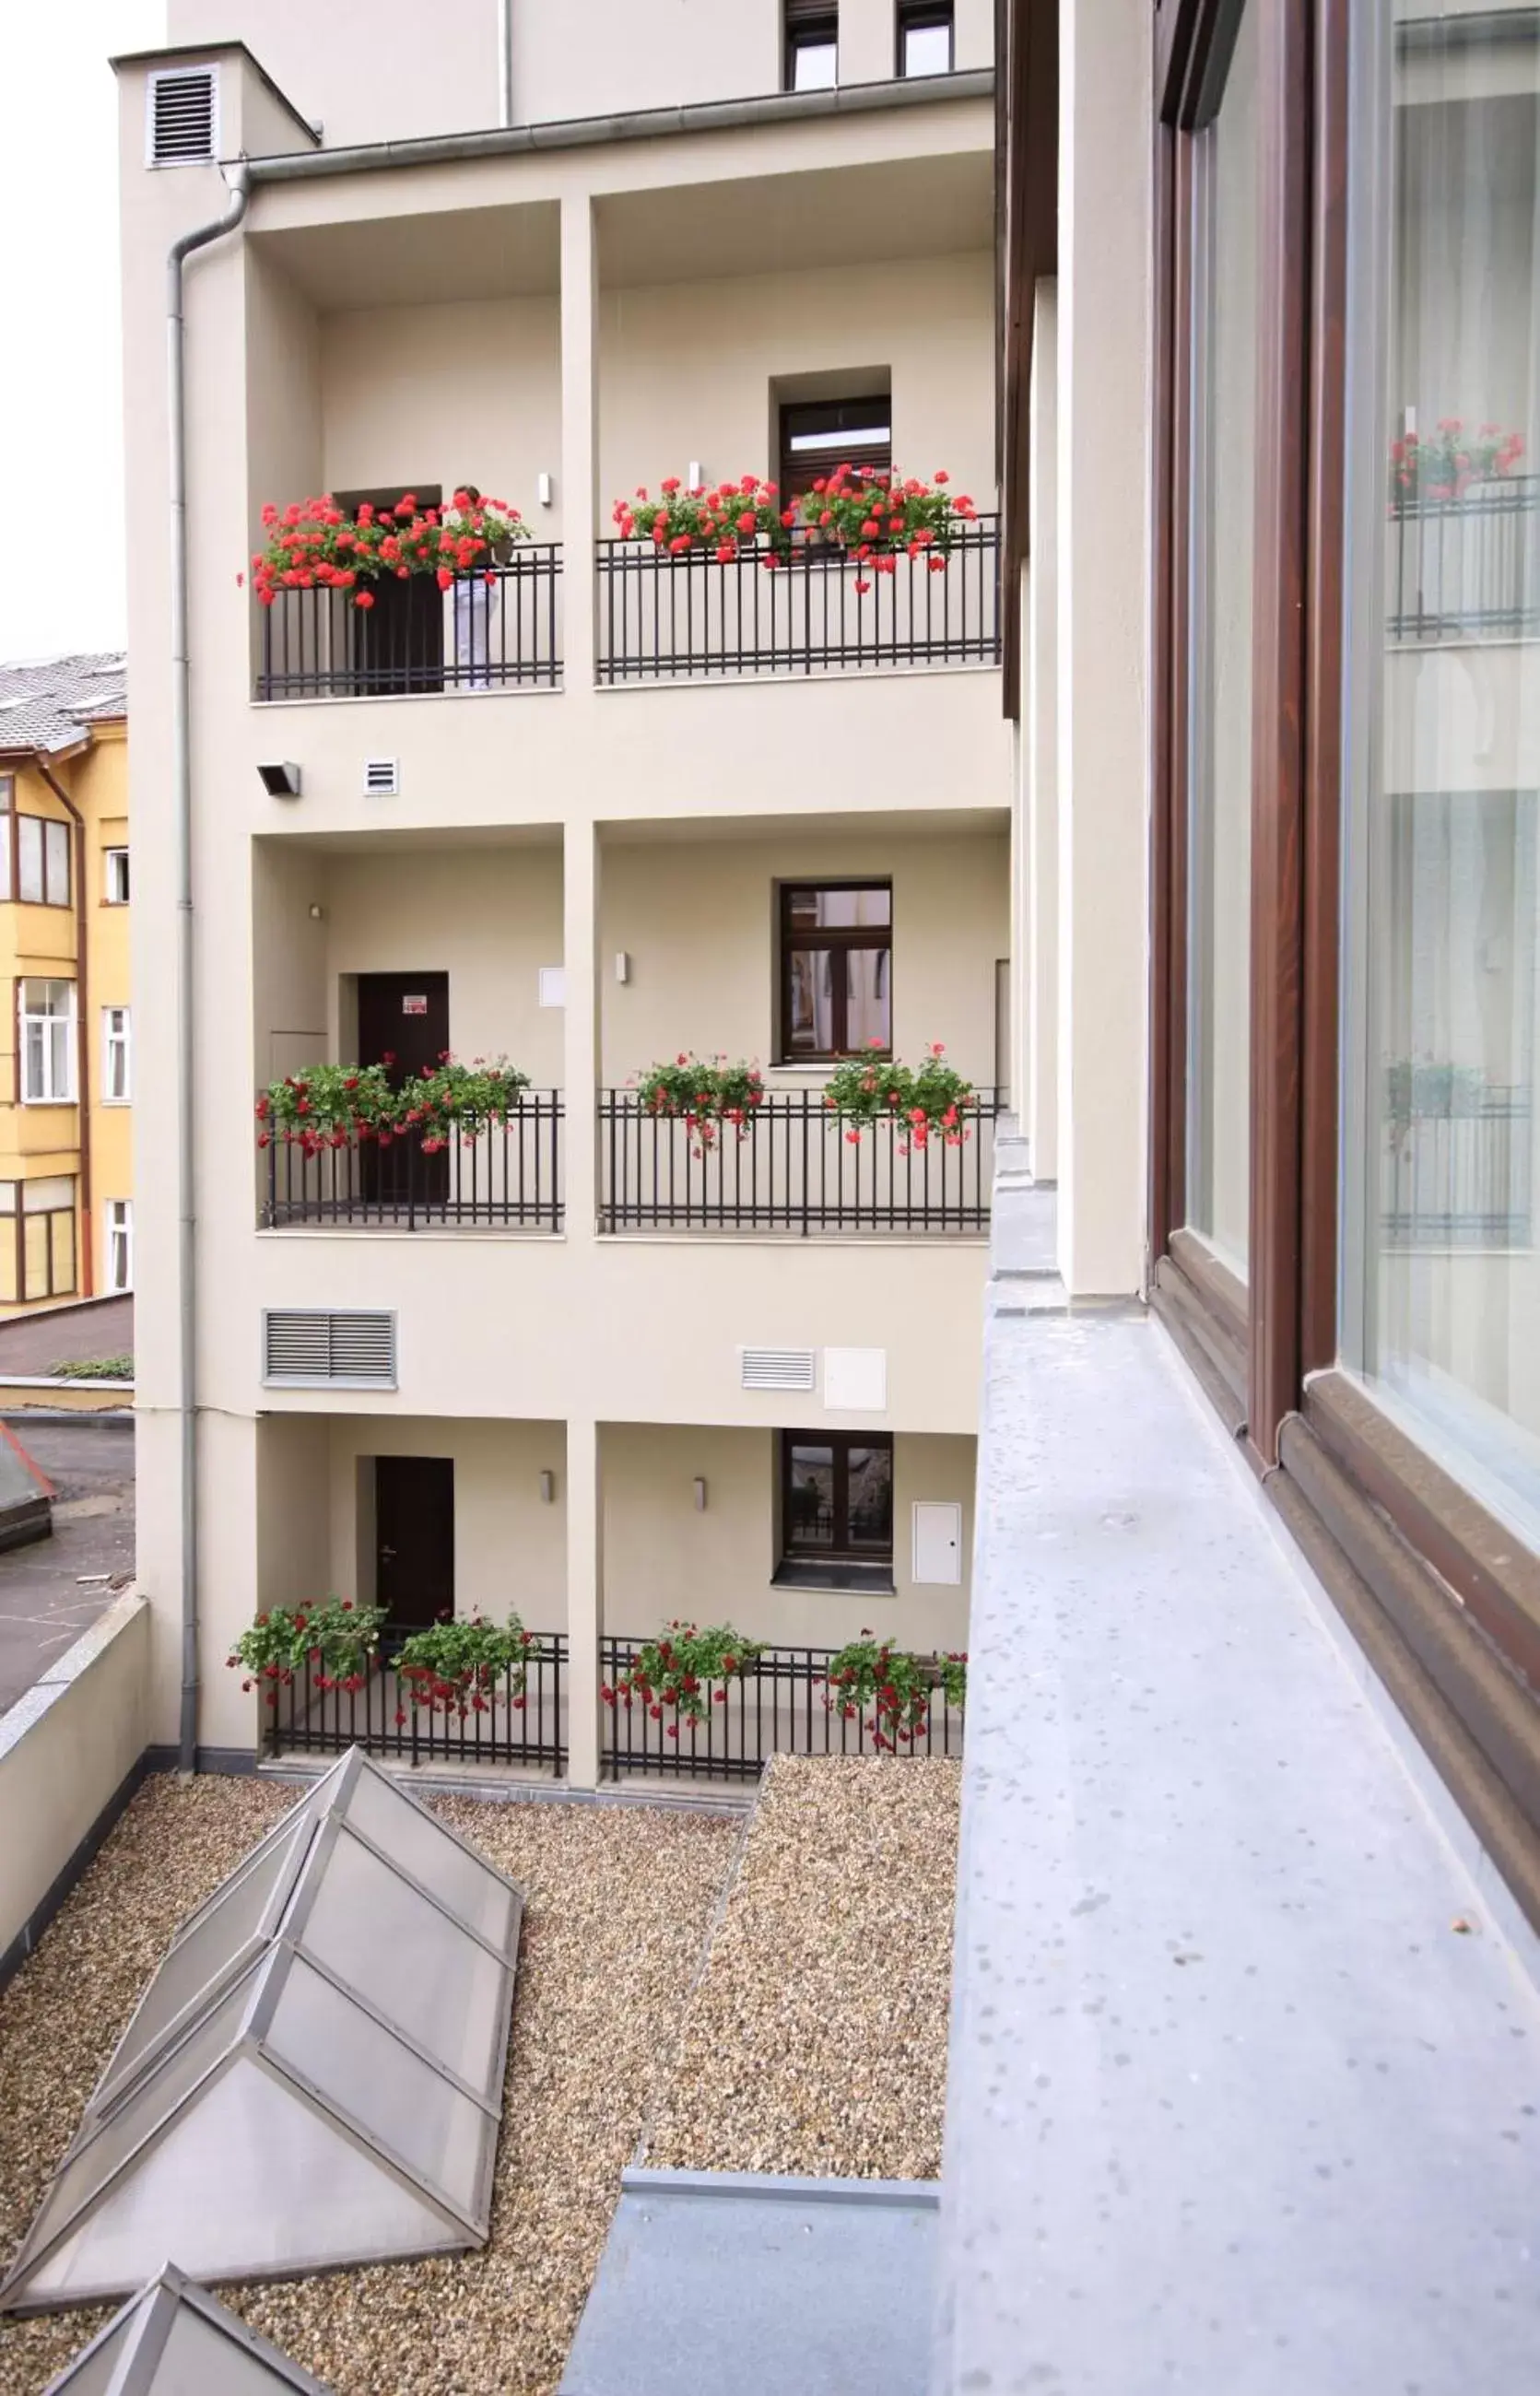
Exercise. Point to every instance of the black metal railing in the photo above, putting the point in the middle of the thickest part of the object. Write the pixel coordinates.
(778, 1706)
(498, 630)
(1466, 568)
(509, 1174)
(663, 617)
(511, 1725)
(1462, 1180)
(791, 1166)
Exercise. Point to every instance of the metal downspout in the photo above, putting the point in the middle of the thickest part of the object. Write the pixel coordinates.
(505, 61)
(83, 1026)
(182, 808)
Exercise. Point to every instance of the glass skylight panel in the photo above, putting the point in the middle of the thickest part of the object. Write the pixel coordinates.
(173, 2338)
(337, 2102)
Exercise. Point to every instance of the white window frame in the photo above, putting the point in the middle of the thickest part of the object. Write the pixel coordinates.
(111, 897)
(46, 1094)
(119, 1225)
(117, 1038)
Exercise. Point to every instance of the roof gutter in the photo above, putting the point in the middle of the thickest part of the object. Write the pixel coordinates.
(181, 808)
(638, 125)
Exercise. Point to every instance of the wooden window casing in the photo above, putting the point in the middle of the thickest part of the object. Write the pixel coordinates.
(809, 30)
(838, 943)
(839, 1534)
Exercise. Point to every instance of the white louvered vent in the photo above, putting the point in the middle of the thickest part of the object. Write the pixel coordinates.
(777, 1368)
(182, 116)
(357, 1349)
(382, 775)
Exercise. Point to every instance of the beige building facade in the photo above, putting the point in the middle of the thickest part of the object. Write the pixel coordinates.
(619, 1380)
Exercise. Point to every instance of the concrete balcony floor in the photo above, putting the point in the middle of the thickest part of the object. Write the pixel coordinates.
(1245, 2045)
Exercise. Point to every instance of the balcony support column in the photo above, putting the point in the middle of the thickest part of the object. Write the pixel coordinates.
(579, 436)
(585, 1580)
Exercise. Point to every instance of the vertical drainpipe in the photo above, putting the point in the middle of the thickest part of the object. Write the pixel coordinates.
(505, 61)
(82, 1025)
(181, 806)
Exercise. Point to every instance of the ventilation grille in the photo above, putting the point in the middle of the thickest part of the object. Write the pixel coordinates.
(777, 1368)
(299, 1349)
(383, 775)
(181, 118)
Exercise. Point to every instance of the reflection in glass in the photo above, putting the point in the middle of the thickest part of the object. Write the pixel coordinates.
(1442, 1275)
(1219, 797)
(811, 1511)
(871, 1500)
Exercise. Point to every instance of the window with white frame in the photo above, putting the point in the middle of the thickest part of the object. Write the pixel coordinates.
(120, 1243)
(116, 870)
(117, 1060)
(47, 1025)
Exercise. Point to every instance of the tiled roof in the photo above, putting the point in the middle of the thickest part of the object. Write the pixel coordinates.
(51, 703)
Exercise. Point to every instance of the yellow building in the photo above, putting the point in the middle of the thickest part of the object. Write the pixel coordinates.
(66, 1037)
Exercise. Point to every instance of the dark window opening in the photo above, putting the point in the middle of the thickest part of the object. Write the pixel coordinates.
(925, 38)
(818, 436)
(810, 60)
(837, 1498)
(836, 969)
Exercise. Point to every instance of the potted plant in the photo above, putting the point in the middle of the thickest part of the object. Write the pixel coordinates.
(313, 545)
(702, 1094)
(676, 1671)
(1445, 463)
(898, 1687)
(873, 514)
(338, 1106)
(332, 1645)
(930, 1097)
(461, 1664)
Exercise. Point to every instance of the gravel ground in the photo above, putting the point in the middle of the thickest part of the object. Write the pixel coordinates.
(816, 2039)
(618, 1900)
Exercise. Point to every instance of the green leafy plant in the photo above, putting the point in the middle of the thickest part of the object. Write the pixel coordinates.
(930, 1097)
(873, 514)
(334, 1643)
(674, 1672)
(722, 519)
(460, 1664)
(313, 543)
(94, 1368)
(703, 1095)
(338, 1106)
(898, 1688)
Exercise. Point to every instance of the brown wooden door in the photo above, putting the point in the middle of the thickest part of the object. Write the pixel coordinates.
(415, 1538)
(404, 1025)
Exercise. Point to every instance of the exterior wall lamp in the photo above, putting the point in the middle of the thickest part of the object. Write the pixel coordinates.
(280, 781)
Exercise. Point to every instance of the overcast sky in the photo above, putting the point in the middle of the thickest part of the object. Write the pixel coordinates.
(60, 392)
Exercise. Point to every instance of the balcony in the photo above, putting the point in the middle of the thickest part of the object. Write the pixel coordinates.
(1460, 1178)
(794, 1166)
(696, 616)
(1466, 568)
(506, 1176)
(498, 630)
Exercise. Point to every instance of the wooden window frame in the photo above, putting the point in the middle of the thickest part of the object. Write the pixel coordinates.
(19, 1220)
(858, 404)
(10, 853)
(107, 855)
(1442, 1597)
(921, 16)
(843, 1553)
(839, 938)
(806, 25)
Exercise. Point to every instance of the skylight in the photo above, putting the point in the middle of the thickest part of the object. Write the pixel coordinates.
(173, 2336)
(315, 2074)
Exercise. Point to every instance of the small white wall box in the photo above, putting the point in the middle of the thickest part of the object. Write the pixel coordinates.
(855, 1380)
(553, 985)
(544, 490)
(622, 965)
(937, 1544)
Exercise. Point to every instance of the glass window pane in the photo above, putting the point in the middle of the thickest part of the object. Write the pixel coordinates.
(470, 1889)
(92, 2374)
(810, 1002)
(211, 1947)
(34, 1256)
(846, 908)
(388, 2090)
(56, 842)
(814, 66)
(1442, 1274)
(928, 51)
(871, 1500)
(199, 2358)
(810, 1509)
(1223, 472)
(867, 983)
(325, 2200)
(41, 1197)
(411, 1963)
(62, 1253)
(29, 844)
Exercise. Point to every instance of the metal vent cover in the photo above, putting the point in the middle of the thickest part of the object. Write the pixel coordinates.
(305, 1349)
(777, 1368)
(183, 116)
(382, 775)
